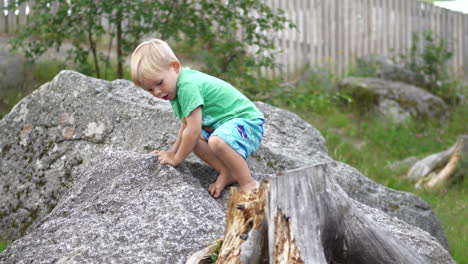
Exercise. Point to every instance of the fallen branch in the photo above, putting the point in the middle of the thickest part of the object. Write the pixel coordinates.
(439, 174)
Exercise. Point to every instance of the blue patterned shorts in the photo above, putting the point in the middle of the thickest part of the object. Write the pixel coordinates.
(244, 136)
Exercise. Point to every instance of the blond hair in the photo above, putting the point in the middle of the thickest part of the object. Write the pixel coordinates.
(150, 57)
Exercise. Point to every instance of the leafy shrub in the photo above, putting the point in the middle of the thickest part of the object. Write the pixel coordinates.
(46, 70)
(430, 66)
(425, 64)
(364, 68)
(226, 28)
(315, 93)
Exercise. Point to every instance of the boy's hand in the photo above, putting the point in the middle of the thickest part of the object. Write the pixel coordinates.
(167, 157)
(188, 136)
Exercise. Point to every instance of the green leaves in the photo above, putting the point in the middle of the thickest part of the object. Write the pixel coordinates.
(430, 64)
(227, 30)
(236, 40)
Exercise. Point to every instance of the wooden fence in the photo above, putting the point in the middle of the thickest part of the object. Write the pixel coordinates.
(332, 33)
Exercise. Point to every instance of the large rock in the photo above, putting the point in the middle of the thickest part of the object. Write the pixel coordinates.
(396, 100)
(393, 69)
(74, 171)
(125, 208)
(48, 138)
(421, 242)
(403, 205)
(387, 68)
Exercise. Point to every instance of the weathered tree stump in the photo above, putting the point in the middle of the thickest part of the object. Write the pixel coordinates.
(303, 216)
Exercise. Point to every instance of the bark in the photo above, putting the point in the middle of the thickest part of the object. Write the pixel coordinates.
(303, 216)
(92, 47)
(119, 44)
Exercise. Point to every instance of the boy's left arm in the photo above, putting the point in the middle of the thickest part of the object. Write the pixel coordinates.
(190, 136)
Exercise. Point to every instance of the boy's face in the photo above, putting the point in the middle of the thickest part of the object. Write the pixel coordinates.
(164, 84)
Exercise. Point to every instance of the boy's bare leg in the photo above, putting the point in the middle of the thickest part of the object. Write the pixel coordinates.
(204, 152)
(237, 165)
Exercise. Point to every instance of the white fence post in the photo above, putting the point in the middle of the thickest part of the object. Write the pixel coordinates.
(456, 40)
(22, 15)
(11, 20)
(465, 47)
(2, 18)
(338, 35)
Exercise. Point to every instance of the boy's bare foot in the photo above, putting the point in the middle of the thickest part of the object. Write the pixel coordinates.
(221, 182)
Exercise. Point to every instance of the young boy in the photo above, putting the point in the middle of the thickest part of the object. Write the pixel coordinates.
(218, 123)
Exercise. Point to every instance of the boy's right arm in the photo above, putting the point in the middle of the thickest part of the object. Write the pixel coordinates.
(188, 140)
(176, 145)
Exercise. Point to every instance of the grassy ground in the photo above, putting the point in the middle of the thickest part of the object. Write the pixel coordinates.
(3, 245)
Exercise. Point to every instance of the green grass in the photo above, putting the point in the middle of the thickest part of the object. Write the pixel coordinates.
(450, 205)
(3, 245)
(46, 70)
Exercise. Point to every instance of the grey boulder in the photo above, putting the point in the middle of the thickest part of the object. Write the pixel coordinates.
(388, 69)
(74, 164)
(396, 100)
(125, 208)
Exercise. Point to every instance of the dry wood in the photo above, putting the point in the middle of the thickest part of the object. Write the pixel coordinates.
(303, 216)
(441, 173)
(245, 227)
(445, 173)
(286, 250)
(429, 164)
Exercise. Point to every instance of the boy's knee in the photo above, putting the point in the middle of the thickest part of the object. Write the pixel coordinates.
(216, 144)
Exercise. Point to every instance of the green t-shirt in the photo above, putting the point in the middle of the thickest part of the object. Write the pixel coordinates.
(220, 101)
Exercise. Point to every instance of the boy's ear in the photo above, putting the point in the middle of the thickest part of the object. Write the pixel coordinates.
(176, 65)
